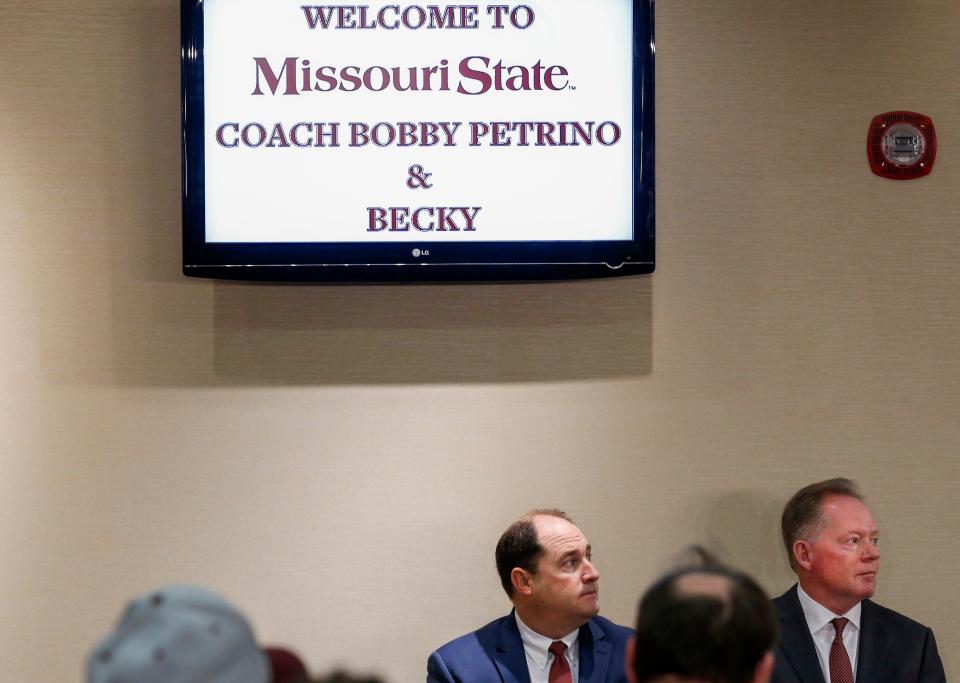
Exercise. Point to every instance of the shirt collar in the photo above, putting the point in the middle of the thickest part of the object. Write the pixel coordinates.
(818, 616)
(536, 646)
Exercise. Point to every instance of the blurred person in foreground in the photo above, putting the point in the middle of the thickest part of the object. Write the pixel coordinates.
(830, 630)
(703, 624)
(340, 676)
(187, 634)
(553, 633)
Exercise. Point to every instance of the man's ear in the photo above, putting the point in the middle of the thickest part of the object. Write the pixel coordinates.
(802, 554)
(628, 657)
(764, 669)
(522, 581)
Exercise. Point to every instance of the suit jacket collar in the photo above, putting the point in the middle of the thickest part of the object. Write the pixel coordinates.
(796, 643)
(874, 643)
(595, 653)
(511, 660)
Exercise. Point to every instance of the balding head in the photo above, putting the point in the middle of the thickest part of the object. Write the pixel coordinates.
(519, 546)
(709, 624)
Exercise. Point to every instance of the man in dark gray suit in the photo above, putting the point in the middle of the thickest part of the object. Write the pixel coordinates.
(830, 630)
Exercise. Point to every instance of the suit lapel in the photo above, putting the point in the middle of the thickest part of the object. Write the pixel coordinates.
(796, 643)
(874, 643)
(510, 659)
(594, 654)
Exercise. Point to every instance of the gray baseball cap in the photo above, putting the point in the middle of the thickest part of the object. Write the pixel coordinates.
(179, 634)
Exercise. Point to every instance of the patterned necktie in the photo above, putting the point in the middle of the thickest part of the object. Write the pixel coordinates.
(840, 669)
(560, 669)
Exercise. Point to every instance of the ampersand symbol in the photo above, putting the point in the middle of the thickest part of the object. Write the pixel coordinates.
(418, 177)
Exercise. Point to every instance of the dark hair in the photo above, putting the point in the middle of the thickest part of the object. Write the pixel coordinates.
(802, 515)
(519, 547)
(345, 677)
(717, 636)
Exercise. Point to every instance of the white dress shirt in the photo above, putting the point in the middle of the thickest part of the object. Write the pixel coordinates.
(818, 621)
(539, 658)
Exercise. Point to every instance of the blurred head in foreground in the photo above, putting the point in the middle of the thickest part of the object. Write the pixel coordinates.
(703, 624)
(346, 677)
(179, 634)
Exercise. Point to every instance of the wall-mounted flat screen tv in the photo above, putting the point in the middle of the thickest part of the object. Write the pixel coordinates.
(416, 142)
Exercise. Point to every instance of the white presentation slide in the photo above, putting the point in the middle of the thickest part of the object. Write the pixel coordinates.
(418, 123)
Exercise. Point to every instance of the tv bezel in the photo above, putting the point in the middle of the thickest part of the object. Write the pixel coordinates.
(435, 260)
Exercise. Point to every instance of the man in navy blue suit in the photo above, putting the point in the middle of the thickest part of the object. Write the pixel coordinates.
(830, 630)
(553, 634)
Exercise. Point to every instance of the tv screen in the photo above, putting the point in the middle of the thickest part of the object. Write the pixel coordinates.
(398, 142)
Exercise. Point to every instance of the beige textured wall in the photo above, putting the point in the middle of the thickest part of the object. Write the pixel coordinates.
(340, 460)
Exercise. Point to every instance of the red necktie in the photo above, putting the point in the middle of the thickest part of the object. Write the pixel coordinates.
(840, 669)
(560, 669)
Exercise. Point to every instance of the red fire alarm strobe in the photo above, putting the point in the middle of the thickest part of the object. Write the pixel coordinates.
(901, 145)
